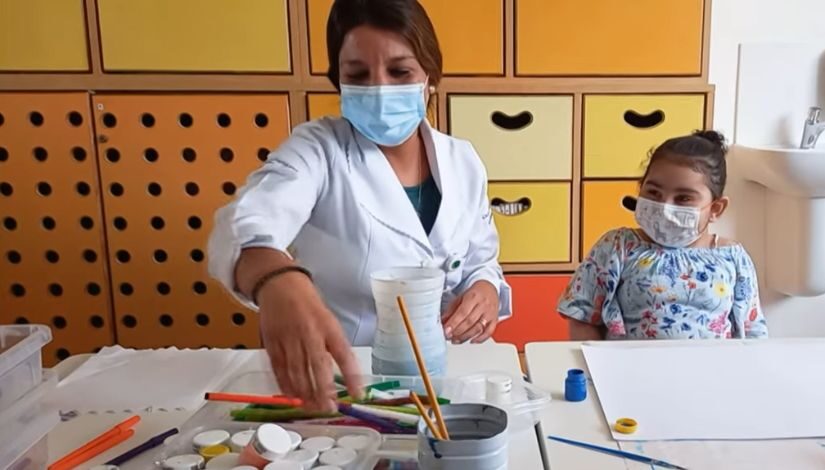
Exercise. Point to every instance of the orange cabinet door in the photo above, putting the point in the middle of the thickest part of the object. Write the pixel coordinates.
(602, 209)
(455, 21)
(167, 163)
(609, 37)
(53, 268)
(535, 317)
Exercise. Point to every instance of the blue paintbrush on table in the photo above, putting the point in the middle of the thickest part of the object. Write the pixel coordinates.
(618, 453)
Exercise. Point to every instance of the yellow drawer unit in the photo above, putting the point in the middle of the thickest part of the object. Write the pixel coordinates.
(195, 35)
(455, 21)
(329, 104)
(519, 137)
(609, 37)
(533, 221)
(43, 36)
(620, 130)
(602, 209)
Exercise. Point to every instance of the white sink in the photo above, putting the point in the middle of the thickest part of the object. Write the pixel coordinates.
(787, 171)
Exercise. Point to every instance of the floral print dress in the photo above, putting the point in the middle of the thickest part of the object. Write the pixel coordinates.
(638, 289)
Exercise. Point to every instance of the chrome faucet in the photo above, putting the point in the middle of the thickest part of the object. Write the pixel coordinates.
(813, 129)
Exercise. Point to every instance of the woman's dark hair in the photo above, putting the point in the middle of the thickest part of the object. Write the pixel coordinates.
(702, 151)
(405, 17)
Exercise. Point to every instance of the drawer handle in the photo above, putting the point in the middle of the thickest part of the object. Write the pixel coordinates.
(644, 121)
(511, 208)
(629, 203)
(512, 123)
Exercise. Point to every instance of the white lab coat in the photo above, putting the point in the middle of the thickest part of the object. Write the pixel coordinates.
(329, 195)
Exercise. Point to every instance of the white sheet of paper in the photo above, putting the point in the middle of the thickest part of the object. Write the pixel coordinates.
(119, 379)
(741, 390)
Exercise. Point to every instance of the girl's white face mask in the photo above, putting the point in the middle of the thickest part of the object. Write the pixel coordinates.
(667, 224)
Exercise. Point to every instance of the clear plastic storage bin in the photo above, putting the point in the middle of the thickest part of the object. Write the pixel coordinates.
(24, 426)
(20, 360)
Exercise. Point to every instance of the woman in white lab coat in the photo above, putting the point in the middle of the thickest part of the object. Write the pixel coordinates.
(347, 197)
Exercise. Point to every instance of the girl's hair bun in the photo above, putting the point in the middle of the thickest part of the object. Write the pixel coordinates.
(716, 138)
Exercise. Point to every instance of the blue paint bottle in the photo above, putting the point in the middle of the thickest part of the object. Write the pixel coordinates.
(575, 385)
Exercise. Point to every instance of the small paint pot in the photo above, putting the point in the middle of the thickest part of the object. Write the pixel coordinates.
(478, 439)
(356, 442)
(339, 457)
(318, 443)
(283, 465)
(240, 440)
(223, 462)
(305, 457)
(214, 437)
(183, 462)
(296, 439)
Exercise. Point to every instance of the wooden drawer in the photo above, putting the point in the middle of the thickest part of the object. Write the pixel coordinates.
(620, 130)
(609, 37)
(518, 137)
(534, 311)
(602, 209)
(453, 20)
(329, 104)
(533, 221)
(195, 35)
(43, 35)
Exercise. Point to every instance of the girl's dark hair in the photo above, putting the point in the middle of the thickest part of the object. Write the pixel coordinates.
(405, 17)
(702, 151)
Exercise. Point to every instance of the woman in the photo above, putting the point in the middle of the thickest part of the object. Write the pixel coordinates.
(352, 196)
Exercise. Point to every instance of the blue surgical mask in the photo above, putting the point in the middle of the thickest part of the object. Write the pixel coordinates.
(388, 114)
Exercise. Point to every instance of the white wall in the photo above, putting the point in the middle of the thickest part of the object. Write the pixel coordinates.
(760, 21)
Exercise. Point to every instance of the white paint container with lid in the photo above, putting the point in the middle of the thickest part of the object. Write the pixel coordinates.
(478, 439)
(296, 439)
(223, 462)
(283, 465)
(318, 443)
(240, 440)
(270, 442)
(355, 442)
(499, 388)
(339, 457)
(183, 462)
(305, 457)
(214, 437)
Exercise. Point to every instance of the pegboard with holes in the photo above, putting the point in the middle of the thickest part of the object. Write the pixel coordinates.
(52, 257)
(167, 162)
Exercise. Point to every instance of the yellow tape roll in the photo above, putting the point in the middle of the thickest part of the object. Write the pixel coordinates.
(626, 425)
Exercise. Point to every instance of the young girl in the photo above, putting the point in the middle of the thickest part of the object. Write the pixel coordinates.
(672, 278)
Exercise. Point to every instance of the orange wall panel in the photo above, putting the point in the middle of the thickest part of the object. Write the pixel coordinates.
(534, 311)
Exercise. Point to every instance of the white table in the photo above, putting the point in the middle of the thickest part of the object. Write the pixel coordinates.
(547, 365)
(525, 450)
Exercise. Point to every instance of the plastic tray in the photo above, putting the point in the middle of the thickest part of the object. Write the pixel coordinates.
(25, 423)
(20, 360)
(182, 443)
(523, 407)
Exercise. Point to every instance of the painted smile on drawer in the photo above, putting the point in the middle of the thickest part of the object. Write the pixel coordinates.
(511, 208)
(512, 123)
(644, 121)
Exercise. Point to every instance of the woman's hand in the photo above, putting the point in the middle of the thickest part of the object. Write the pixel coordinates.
(302, 338)
(474, 315)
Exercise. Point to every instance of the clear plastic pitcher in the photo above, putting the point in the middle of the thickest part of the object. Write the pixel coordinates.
(422, 289)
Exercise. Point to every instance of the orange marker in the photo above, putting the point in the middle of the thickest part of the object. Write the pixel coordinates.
(119, 433)
(255, 399)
